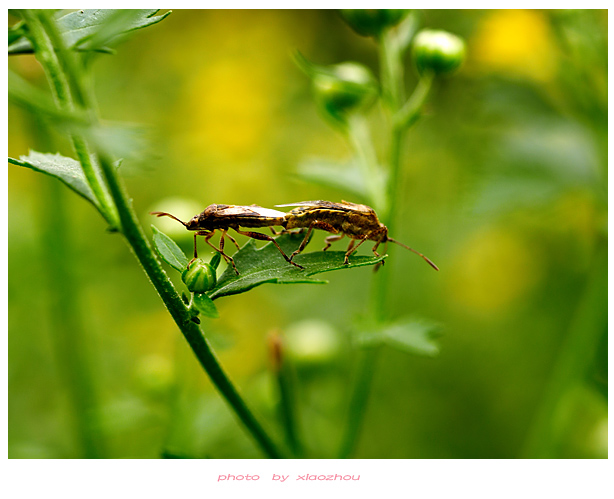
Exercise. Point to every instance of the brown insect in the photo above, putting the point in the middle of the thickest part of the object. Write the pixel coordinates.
(223, 217)
(357, 221)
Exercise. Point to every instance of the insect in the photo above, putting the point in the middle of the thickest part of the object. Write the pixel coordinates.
(357, 221)
(223, 217)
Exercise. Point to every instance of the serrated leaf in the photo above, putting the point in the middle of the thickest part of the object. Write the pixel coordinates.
(79, 26)
(267, 265)
(412, 336)
(67, 170)
(23, 46)
(168, 250)
(205, 305)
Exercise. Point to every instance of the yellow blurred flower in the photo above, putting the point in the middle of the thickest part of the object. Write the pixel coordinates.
(516, 42)
(234, 95)
(231, 105)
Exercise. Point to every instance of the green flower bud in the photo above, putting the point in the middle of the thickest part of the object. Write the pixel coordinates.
(199, 276)
(371, 22)
(344, 88)
(438, 51)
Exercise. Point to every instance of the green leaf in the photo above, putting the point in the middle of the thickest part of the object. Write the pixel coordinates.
(23, 93)
(346, 178)
(205, 305)
(79, 27)
(412, 336)
(267, 265)
(67, 170)
(16, 31)
(169, 251)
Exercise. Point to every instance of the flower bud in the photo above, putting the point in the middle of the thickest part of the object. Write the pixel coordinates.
(199, 276)
(344, 88)
(437, 51)
(371, 22)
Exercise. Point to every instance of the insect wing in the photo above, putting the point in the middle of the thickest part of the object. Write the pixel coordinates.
(248, 211)
(329, 205)
(266, 212)
(315, 204)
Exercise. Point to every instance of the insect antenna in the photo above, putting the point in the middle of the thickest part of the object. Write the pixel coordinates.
(163, 214)
(416, 252)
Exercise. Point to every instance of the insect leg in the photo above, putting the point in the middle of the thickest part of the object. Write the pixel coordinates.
(331, 239)
(200, 233)
(227, 258)
(316, 224)
(232, 239)
(222, 240)
(279, 233)
(351, 249)
(264, 237)
(374, 249)
(379, 264)
(303, 243)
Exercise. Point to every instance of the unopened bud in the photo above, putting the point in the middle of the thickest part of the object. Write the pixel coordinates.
(438, 51)
(199, 276)
(371, 22)
(344, 88)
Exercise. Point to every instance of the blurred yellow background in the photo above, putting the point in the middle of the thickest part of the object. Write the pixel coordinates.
(504, 187)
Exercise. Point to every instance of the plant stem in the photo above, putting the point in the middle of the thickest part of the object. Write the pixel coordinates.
(285, 384)
(63, 83)
(362, 145)
(410, 112)
(67, 328)
(574, 359)
(139, 244)
(68, 332)
(401, 120)
(391, 72)
(116, 203)
(401, 117)
(358, 401)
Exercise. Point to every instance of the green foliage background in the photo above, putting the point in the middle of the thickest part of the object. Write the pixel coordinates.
(504, 188)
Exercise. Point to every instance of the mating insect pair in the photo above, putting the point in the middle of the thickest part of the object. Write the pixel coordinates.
(357, 221)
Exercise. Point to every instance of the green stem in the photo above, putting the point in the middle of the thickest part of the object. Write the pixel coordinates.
(65, 58)
(391, 72)
(139, 244)
(402, 116)
(362, 145)
(118, 205)
(64, 82)
(358, 401)
(67, 328)
(410, 112)
(366, 368)
(402, 119)
(575, 356)
(68, 331)
(287, 406)
(45, 54)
